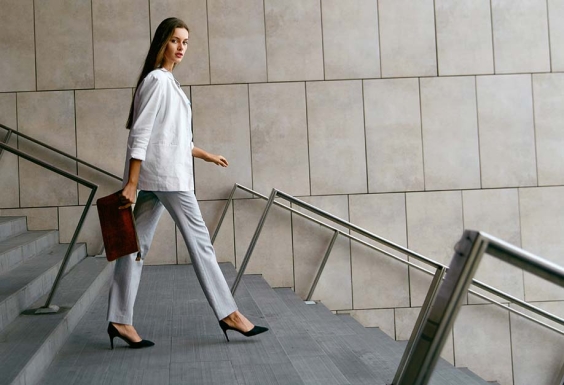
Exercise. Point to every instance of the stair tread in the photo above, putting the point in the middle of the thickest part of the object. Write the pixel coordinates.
(15, 250)
(444, 371)
(306, 344)
(19, 277)
(33, 278)
(23, 239)
(22, 339)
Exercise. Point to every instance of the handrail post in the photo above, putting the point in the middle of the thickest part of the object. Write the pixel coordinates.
(323, 262)
(426, 349)
(254, 240)
(48, 308)
(418, 328)
(229, 200)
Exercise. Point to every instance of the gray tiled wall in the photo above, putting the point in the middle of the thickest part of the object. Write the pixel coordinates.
(414, 119)
(237, 41)
(221, 126)
(448, 111)
(469, 22)
(350, 39)
(394, 149)
(120, 42)
(520, 36)
(64, 45)
(407, 38)
(17, 39)
(507, 132)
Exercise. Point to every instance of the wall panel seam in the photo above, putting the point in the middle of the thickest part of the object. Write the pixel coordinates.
(493, 39)
(379, 42)
(548, 33)
(365, 141)
(93, 56)
(34, 43)
(265, 37)
(307, 137)
(421, 130)
(436, 38)
(322, 39)
(534, 129)
(478, 128)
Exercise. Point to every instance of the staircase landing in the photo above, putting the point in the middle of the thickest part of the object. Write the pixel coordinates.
(307, 344)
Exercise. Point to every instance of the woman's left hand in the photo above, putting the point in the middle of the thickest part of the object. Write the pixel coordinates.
(219, 160)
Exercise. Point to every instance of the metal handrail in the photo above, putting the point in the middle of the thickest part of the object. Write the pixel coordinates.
(66, 155)
(12, 131)
(374, 237)
(444, 299)
(48, 307)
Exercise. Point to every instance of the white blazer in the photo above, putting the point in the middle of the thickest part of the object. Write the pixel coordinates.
(161, 135)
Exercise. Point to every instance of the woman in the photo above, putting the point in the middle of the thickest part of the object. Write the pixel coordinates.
(159, 164)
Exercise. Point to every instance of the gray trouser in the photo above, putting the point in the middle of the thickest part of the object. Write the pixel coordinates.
(184, 209)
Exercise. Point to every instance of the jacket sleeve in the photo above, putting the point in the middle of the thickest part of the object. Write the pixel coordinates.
(148, 101)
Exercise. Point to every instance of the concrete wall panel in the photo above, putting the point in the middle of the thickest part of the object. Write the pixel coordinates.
(293, 40)
(351, 47)
(393, 135)
(64, 44)
(407, 38)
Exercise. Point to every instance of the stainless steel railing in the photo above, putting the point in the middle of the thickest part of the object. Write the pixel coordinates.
(445, 298)
(337, 232)
(11, 131)
(48, 307)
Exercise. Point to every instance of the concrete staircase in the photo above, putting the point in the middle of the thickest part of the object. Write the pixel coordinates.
(29, 263)
(306, 344)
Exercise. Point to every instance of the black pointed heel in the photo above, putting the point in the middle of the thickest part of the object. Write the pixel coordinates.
(253, 332)
(113, 333)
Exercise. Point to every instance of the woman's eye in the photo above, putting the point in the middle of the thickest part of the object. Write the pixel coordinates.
(185, 43)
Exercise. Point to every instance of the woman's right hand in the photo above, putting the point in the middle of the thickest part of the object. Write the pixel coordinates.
(128, 195)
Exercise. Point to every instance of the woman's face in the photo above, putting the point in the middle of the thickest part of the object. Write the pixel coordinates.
(175, 48)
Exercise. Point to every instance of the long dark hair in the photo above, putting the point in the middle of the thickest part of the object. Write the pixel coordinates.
(154, 58)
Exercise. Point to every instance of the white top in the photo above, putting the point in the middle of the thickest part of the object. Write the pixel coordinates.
(161, 135)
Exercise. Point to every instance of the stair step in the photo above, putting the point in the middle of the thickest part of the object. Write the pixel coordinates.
(172, 311)
(317, 319)
(444, 373)
(373, 334)
(29, 344)
(11, 227)
(270, 304)
(22, 286)
(17, 249)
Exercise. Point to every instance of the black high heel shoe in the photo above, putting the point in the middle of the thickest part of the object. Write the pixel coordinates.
(113, 333)
(253, 332)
